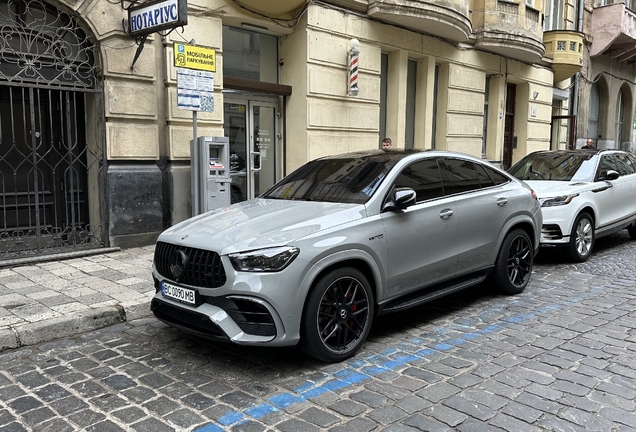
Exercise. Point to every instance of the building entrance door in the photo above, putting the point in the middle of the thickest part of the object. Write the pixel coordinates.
(252, 127)
(510, 140)
(562, 132)
(52, 159)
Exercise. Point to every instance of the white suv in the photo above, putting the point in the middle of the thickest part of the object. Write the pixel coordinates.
(584, 194)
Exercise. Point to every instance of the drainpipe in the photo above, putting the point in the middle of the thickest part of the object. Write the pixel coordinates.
(575, 89)
(574, 107)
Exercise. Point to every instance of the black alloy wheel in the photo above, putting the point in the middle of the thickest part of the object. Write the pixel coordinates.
(337, 316)
(514, 263)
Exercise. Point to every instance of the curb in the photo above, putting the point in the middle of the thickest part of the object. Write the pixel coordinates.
(62, 327)
(17, 262)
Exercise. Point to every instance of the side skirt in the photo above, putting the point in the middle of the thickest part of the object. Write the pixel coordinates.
(417, 298)
(615, 227)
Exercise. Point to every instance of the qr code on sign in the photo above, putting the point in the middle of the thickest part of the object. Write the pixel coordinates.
(207, 103)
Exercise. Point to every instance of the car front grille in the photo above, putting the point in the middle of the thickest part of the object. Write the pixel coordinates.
(177, 316)
(204, 268)
(552, 232)
(252, 317)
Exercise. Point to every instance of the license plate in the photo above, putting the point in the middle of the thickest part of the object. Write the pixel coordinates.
(178, 293)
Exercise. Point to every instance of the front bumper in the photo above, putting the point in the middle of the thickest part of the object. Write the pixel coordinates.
(248, 309)
(213, 322)
(557, 225)
(552, 235)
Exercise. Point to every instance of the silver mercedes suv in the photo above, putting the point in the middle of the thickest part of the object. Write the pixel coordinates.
(341, 240)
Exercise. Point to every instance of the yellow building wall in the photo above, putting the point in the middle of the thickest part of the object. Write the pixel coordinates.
(320, 117)
(336, 122)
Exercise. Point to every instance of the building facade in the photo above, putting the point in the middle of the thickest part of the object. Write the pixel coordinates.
(96, 152)
(606, 81)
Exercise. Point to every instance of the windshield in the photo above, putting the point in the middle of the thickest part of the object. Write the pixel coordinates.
(344, 179)
(557, 166)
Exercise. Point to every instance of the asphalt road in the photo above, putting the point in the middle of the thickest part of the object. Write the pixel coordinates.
(560, 356)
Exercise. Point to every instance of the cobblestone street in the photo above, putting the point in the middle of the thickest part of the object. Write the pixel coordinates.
(561, 356)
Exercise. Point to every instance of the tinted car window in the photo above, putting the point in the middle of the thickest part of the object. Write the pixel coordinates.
(607, 163)
(424, 178)
(624, 164)
(462, 175)
(484, 180)
(497, 177)
(560, 166)
(338, 179)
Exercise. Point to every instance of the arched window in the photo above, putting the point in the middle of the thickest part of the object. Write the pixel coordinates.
(40, 44)
(592, 119)
(620, 113)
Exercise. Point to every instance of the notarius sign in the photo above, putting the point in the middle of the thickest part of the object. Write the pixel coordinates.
(154, 16)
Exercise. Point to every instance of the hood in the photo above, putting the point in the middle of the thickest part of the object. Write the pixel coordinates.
(259, 223)
(549, 188)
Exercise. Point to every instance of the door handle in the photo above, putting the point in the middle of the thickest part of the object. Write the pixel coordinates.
(446, 213)
(502, 201)
(256, 161)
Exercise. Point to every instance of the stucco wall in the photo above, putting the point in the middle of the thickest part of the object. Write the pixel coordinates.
(143, 123)
(611, 75)
(320, 117)
(337, 122)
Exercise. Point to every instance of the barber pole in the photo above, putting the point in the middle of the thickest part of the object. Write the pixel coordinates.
(354, 52)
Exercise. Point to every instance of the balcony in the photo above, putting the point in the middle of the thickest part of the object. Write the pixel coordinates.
(509, 29)
(277, 8)
(447, 19)
(565, 48)
(614, 31)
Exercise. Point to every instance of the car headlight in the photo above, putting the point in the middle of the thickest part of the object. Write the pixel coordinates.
(264, 260)
(557, 201)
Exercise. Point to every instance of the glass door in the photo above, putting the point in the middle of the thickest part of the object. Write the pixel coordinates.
(252, 129)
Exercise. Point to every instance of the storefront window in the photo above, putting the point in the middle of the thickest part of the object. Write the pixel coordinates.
(250, 55)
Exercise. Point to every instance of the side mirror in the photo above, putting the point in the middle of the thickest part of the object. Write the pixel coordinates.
(610, 175)
(399, 199)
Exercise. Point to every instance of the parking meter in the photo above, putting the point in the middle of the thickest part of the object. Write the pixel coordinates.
(210, 174)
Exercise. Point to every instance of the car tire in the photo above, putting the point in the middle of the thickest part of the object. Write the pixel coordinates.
(514, 263)
(581, 238)
(337, 315)
(632, 231)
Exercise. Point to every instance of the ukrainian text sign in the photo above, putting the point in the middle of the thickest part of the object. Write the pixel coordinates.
(194, 57)
(157, 15)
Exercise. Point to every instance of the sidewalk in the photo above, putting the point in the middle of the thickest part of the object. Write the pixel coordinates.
(43, 301)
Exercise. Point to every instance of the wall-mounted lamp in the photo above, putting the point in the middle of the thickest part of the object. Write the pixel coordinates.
(354, 52)
(535, 95)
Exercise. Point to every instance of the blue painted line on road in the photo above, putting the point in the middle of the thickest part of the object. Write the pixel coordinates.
(231, 417)
(343, 373)
(314, 392)
(377, 364)
(284, 400)
(335, 384)
(373, 370)
(260, 410)
(210, 428)
(442, 347)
